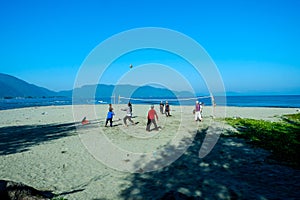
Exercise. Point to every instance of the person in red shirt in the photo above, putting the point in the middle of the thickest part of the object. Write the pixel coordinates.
(84, 121)
(151, 118)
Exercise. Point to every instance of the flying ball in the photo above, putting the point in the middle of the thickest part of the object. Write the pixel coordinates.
(130, 66)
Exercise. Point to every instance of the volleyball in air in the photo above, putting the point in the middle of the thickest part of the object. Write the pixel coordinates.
(130, 66)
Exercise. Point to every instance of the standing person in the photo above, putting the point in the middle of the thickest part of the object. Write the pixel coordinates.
(109, 117)
(130, 106)
(110, 106)
(128, 114)
(167, 109)
(151, 118)
(161, 107)
(198, 111)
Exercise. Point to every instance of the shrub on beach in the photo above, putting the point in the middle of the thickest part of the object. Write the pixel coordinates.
(281, 138)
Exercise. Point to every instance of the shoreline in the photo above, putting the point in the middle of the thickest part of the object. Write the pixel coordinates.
(229, 105)
(273, 101)
(145, 104)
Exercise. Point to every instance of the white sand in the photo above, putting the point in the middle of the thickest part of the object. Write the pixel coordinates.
(50, 155)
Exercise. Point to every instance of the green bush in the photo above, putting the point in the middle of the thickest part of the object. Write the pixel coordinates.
(281, 138)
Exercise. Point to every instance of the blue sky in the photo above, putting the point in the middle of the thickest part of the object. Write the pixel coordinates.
(255, 44)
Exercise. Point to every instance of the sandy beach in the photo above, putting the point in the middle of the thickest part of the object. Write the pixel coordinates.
(43, 147)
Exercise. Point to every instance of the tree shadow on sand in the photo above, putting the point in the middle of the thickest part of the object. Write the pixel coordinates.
(16, 139)
(232, 170)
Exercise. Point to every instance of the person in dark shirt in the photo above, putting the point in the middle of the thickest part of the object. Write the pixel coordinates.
(167, 109)
(161, 107)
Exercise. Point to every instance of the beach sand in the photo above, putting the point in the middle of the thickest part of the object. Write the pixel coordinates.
(43, 147)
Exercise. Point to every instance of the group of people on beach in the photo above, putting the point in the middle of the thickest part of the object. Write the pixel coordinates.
(152, 116)
(128, 115)
(164, 109)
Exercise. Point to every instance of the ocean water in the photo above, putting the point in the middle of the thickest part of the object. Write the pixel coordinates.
(286, 101)
(32, 102)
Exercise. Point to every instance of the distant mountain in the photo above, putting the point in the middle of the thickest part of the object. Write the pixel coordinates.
(104, 91)
(13, 87)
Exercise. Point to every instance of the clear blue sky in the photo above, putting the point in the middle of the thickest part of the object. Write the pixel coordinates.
(254, 43)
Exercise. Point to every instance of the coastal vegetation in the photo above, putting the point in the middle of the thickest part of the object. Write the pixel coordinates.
(281, 138)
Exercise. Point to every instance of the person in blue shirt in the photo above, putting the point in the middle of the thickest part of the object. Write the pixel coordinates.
(109, 117)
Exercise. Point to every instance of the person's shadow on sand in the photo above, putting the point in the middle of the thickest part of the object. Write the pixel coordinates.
(156, 129)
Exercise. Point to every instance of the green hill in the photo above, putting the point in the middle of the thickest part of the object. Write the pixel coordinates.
(13, 87)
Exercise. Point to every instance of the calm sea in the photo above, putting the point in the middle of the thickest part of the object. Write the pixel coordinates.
(287, 101)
